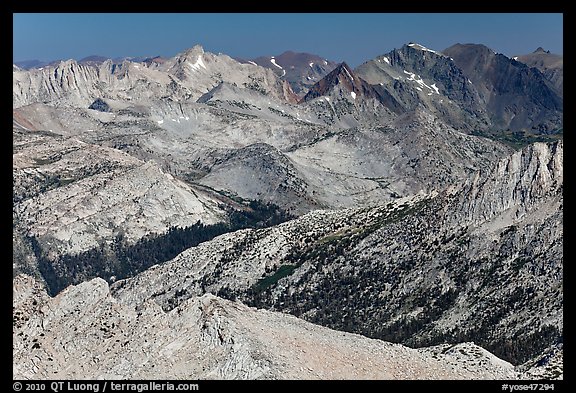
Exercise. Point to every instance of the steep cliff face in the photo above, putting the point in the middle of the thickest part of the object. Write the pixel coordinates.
(85, 333)
(67, 80)
(526, 179)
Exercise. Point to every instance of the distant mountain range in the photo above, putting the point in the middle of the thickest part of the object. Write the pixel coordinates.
(92, 59)
(502, 93)
(402, 219)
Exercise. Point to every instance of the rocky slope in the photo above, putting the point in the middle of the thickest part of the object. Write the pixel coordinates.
(70, 196)
(368, 165)
(416, 76)
(515, 96)
(209, 338)
(343, 78)
(469, 86)
(349, 101)
(375, 271)
(330, 151)
(473, 254)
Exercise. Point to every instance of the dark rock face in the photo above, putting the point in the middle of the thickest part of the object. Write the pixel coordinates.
(550, 64)
(399, 71)
(475, 89)
(516, 97)
(344, 76)
(100, 105)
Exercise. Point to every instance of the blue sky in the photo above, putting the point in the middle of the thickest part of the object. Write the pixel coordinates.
(351, 37)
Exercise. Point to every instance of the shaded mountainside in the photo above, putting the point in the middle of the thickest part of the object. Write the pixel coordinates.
(417, 76)
(209, 338)
(550, 64)
(343, 82)
(516, 96)
(344, 100)
(470, 264)
(342, 75)
(469, 86)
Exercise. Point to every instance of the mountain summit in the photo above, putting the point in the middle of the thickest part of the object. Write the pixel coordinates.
(541, 50)
(343, 79)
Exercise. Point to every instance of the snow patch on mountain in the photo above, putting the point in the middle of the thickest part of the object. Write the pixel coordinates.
(422, 47)
(273, 61)
(199, 63)
(348, 73)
